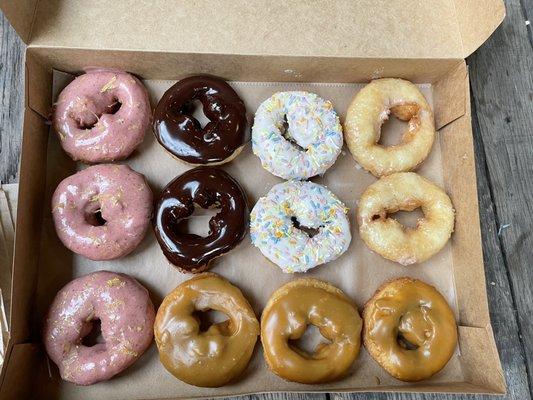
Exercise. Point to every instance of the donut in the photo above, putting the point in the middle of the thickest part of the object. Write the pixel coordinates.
(299, 225)
(176, 129)
(371, 108)
(409, 329)
(285, 318)
(126, 314)
(217, 356)
(206, 187)
(297, 135)
(102, 116)
(103, 211)
(386, 236)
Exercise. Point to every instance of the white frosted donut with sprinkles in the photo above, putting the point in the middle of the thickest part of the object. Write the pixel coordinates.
(297, 135)
(280, 225)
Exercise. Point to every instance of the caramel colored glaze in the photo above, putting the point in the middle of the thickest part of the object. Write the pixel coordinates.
(409, 329)
(207, 187)
(182, 135)
(287, 314)
(218, 355)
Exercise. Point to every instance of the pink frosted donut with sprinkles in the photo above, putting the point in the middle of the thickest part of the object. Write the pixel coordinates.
(103, 211)
(102, 116)
(299, 225)
(297, 135)
(126, 315)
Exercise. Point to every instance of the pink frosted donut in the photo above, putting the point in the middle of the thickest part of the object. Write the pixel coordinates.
(102, 116)
(126, 315)
(103, 211)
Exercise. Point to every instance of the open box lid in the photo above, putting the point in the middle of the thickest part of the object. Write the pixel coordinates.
(450, 29)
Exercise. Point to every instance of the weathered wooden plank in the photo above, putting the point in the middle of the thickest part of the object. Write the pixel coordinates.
(11, 100)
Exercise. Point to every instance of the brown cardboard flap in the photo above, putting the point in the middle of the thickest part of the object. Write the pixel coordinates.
(480, 360)
(341, 28)
(20, 14)
(477, 20)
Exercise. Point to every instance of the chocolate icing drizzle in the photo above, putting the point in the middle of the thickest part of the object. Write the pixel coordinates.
(182, 135)
(207, 187)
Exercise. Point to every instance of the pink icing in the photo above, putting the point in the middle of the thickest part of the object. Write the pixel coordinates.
(126, 314)
(124, 200)
(84, 121)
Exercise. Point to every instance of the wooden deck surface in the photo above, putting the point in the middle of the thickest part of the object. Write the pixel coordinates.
(501, 76)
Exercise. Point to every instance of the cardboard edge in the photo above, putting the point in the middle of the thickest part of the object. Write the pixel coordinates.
(487, 14)
(449, 96)
(32, 179)
(38, 84)
(480, 359)
(21, 15)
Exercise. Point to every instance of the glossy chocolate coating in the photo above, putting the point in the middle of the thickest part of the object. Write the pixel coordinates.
(207, 187)
(182, 135)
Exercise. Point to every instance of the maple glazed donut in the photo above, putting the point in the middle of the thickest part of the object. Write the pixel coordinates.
(176, 129)
(371, 108)
(285, 318)
(297, 135)
(280, 223)
(206, 187)
(126, 315)
(386, 236)
(103, 211)
(220, 354)
(409, 329)
(102, 116)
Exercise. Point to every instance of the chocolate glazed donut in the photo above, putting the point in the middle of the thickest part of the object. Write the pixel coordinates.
(182, 135)
(207, 187)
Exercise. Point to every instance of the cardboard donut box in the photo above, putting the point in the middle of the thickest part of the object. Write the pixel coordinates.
(323, 42)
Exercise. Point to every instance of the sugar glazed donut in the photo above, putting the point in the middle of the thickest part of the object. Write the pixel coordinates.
(405, 191)
(297, 135)
(409, 329)
(217, 356)
(126, 315)
(224, 136)
(102, 116)
(299, 225)
(286, 316)
(102, 212)
(206, 187)
(371, 108)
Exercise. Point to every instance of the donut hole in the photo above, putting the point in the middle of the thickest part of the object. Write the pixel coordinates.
(210, 317)
(396, 123)
(89, 122)
(404, 343)
(409, 219)
(95, 218)
(284, 131)
(195, 110)
(198, 222)
(308, 230)
(94, 336)
(308, 343)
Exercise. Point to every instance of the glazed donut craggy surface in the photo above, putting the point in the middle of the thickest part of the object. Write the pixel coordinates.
(297, 135)
(218, 355)
(405, 191)
(102, 116)
(182, 135)
(409, 329)
(371, 108)
(126, 314)
(285, 318)
(206, 187)
(280, 225)
(103, 211)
